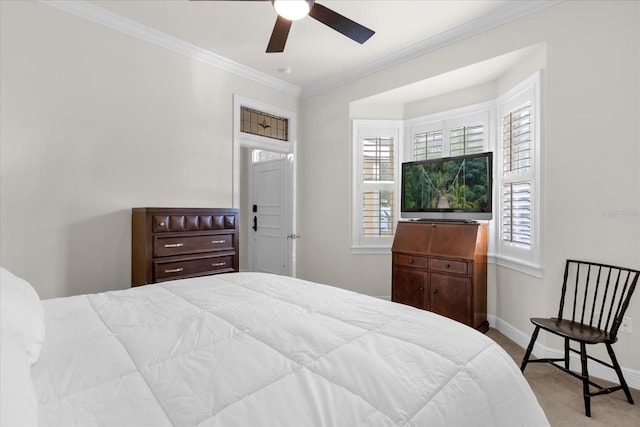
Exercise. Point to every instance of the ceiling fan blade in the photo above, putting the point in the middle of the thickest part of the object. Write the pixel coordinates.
(279, 35)
(341, 24)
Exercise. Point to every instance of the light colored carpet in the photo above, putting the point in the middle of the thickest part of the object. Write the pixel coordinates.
(560, 394)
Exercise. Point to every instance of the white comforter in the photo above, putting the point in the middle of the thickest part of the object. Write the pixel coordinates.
(249, 349)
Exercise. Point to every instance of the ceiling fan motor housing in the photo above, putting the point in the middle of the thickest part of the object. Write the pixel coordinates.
(292, 10)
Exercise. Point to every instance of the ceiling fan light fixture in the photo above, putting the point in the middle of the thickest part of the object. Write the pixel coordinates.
(292, 10)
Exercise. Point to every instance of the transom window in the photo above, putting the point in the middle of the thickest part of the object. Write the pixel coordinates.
(263, 124)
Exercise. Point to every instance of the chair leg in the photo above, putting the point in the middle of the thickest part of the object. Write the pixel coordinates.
(525, 359)
(566, 353)
(616, 366)
(585, 380)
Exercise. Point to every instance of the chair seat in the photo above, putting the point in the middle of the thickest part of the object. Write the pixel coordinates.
(573, 330)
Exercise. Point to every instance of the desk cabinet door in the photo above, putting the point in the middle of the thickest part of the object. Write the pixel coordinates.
(451, 296)
(409, 286)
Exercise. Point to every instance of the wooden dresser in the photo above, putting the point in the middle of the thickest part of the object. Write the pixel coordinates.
(442, 267)
(174, 243)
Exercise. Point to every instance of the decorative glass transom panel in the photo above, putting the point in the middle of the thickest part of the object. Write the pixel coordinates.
(264, 124)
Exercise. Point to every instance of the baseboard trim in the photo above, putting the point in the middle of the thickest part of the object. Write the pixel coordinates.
(632, 376)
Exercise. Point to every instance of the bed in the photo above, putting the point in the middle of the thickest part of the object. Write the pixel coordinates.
(250, 349)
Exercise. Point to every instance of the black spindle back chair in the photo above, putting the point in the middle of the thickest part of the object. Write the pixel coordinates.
(594, 300)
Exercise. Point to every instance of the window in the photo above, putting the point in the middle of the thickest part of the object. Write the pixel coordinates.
(264, 124)
(457, 134)
(374, 178)
(467, 140)
(518, 219)
(427, 145)
(378, 167)
(508, 125)
(515, 218)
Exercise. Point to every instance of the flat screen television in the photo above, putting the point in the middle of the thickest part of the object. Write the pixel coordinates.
(448, 189)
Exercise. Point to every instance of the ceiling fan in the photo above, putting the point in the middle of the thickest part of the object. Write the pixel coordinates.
(293, 10)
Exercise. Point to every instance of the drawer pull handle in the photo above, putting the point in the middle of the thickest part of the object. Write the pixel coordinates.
(411, 261)
(173, 245)
(217, 242)
(448, 265)
(218, 264)
(173, 270)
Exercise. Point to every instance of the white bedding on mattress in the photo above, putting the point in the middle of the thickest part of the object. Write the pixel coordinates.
(251, 349)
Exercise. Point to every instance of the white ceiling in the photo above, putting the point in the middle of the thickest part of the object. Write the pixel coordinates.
(318, 56)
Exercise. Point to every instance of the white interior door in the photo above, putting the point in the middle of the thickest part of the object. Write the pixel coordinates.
(270, 210)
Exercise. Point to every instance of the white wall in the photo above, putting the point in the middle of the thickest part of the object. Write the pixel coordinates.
(95, 122)
(591, 153)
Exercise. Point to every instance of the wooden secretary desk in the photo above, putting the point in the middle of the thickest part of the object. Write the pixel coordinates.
(442, 267)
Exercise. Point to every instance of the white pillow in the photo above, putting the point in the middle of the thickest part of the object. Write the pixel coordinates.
(21, 314)
(17, 393)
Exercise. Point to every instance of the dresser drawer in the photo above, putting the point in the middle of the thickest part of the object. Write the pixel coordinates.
(450, 266)
(167, 246)
(192, 267)
(169, 223)
(411, 261)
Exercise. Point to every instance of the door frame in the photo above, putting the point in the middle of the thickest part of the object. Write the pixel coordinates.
(244, 140)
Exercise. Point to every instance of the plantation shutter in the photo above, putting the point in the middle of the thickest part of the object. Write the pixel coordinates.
(467, 140)
(427, 145)
(457, 140)
(378, 167)
(516, 194)
(516, 148)
(516, 213)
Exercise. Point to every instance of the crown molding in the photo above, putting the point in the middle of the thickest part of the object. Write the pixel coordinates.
(116, 22)
(508, 12)
(511, 10)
